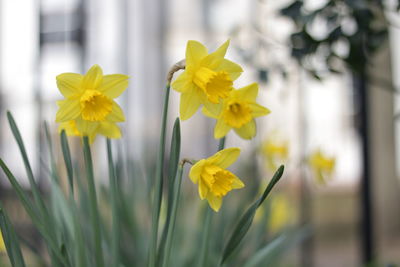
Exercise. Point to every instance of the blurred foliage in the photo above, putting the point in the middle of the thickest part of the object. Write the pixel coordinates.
(353, 31)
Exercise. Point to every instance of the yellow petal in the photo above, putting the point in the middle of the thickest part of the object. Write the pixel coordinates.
(69, 84)
(237, 183)
(189, 104)
(216, 58)
(109, 129)
(196, 170)
(247, 93)
(221, 51)
(116, 114)
(195, 51)
(69, 109)
(87, 128)
(247, 131)
(225, 158)
(258, 110)
(214, 202)
(221, 129)
(114, 85)
(93, 78)
(212, 110)
(203, 189)
(233, 69)
(183, 83)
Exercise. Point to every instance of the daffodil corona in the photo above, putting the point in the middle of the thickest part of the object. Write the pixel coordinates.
(88, 108)
(207, 78)
(237, 112)
(212, 177)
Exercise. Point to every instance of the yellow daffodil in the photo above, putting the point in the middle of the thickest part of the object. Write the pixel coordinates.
(274, 152)
(212, 177)
(322, 166)
(108, 129)
(89, 102)
(281, 213)
(237, 112)
(207, 78)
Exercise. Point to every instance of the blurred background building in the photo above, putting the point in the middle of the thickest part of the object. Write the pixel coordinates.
(40, 39)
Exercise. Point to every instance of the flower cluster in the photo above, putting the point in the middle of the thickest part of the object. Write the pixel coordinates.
(322, 166)
(89, 107)
(208, 81)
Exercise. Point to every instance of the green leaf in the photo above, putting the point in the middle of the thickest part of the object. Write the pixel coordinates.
(35, 190)
(11, 241)
(246, 220)
(174, 193)
(115, 235)
(67, 159)
(173, 167)
(267, 255)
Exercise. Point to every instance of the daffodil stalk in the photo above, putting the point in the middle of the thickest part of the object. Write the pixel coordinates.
(93, 203)
(159, 171)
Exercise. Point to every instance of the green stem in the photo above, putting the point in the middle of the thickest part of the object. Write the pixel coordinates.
(207, 223)
(158, 185)
(114, 205)
(171, 226)
(94, 211)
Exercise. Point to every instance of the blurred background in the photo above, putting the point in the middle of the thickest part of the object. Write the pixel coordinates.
(328, 70)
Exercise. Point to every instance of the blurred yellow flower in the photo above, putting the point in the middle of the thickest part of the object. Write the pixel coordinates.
(2, 244)
(281, 213)
(274, 152)
(89, 101)
(322, 166)
(213, 178)
(237, 112)
(207, 78)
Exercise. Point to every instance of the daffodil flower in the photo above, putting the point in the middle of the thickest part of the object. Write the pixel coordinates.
(89, 101)
(212, 177)
(322, 166)
(237, 112)
(207, 78)
(274, 151)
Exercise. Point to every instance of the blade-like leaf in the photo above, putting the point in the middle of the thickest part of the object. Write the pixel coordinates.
(36, 194)
(11, 241)
(267, 255)
(115, 235)
(174, 193)
(67, 159)
(246, 220)
(173, 167)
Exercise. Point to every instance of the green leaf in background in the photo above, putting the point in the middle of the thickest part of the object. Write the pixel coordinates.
(172, 171)
(11, 241)
(267, 255)
(246, 220)
(67, 159)
(35, 190)
(174, 191)
(115, 235)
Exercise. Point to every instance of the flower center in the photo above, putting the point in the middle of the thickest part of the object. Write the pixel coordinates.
(236, 114)
(218, 180)
(95, 106)
(214, 84)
